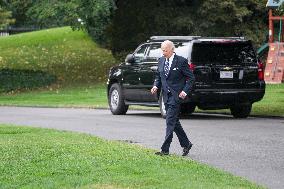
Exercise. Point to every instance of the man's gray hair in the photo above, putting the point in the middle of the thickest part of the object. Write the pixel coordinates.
(168, 43)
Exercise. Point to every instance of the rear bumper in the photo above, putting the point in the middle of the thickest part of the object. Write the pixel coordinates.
(220, 98)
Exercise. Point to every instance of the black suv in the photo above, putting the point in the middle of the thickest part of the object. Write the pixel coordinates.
(227, 75)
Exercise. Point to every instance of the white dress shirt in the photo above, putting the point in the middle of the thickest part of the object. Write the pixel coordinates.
(171, 60)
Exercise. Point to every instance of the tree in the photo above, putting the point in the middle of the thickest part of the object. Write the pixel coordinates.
(96, 17)
(136, 21)
(233, 18)
(92, 15)
(18, 9)
(5, 18)
(53, 13)
(121, 24)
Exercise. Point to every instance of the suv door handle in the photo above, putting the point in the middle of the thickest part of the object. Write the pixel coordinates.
(154, 68)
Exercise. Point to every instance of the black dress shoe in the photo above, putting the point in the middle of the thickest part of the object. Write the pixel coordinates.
(162, 153)
(186, 150)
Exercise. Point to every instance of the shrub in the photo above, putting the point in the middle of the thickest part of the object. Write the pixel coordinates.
(11, 80)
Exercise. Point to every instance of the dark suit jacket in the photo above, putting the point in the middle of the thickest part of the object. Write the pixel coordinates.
(180, 78)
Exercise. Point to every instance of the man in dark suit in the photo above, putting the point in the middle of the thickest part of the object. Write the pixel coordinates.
(175, 79)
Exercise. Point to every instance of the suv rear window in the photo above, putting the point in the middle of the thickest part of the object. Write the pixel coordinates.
(225, 53)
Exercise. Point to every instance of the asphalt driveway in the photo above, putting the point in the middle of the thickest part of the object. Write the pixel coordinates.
(252, 148)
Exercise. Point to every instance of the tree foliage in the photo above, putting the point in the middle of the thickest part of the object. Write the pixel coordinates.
(5, 18)
(121, 24)
(134, 21)
(234, 18)
(96, 16)
(92, 15)
(53, 13)
(18, 9)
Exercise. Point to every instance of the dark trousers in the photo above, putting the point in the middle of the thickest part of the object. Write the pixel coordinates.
(173, 125)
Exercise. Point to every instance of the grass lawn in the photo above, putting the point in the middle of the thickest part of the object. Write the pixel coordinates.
(80, 96)
(44, 158)
(95, 97)
(272, 103)
(69, 55)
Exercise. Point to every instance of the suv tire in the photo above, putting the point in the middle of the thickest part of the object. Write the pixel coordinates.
(116, 100)
(241, 110)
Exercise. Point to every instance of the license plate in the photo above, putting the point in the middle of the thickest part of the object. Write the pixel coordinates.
(226, 74)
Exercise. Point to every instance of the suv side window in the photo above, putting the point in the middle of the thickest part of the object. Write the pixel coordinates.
(154, 53)
(140, 53)
(181, 48)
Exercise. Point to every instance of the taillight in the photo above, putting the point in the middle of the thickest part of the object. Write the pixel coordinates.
(191, 66)
(260, 70)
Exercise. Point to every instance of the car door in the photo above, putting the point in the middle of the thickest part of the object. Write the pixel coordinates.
(131, 75)
(148, 71)
(150, 65)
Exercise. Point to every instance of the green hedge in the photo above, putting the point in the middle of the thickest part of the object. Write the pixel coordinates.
(11, 80)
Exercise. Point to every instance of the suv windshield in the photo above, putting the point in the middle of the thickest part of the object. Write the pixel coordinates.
(226, 53)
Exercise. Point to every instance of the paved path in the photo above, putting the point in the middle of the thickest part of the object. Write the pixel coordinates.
(251, 148)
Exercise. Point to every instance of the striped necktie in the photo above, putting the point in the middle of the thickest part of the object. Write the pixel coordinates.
(167, 67)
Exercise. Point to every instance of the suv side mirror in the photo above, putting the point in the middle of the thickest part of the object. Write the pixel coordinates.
(129, 59)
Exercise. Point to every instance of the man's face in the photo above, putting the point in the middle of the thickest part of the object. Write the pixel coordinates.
(166, 50)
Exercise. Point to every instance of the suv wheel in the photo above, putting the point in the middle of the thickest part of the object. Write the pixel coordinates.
(241, 110)
(187, 108)
(116, 100)
(162, 106)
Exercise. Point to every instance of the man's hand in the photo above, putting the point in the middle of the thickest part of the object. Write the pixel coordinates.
(182, 95)
(154, 90)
